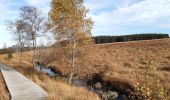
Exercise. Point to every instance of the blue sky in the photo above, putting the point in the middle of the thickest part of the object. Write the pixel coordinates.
(111, 17)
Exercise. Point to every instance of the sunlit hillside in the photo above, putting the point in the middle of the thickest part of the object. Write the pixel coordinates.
(115, 62)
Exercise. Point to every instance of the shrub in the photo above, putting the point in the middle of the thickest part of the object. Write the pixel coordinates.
(149, 86)
(10, 55)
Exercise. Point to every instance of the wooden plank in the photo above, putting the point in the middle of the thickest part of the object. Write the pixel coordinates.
(20, 87)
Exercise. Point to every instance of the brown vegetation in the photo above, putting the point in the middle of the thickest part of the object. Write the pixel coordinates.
(4, 94)
(121, 60)
(116, 62)
(56, 88)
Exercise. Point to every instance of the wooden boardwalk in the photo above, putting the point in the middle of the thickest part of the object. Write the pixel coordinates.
(20, 87)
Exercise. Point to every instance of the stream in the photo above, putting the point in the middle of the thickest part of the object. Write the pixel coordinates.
(46, 70)
(106, 93)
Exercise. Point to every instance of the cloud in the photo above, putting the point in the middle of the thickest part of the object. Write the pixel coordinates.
(5, 37)
(109, 16)
(99, 5)
(43, 5)
(140, 13)
(38, 2)
(10, 11)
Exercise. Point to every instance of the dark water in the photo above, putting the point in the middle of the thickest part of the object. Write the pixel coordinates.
(46, 70)
(76, 82)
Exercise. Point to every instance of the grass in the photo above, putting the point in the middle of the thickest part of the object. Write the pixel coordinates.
(56, 88)
(122, 60)
(4, 94)
(118, 61)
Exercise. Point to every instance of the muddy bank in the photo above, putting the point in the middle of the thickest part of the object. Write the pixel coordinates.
(123, 88)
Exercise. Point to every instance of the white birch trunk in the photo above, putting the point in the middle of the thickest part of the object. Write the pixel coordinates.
(34, 54)
(73, 59)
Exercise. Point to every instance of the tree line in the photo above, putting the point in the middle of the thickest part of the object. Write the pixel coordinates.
(14, 49)
(123, 38)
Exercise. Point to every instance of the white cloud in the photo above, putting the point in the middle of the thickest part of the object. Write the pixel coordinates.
(10, 11)
(44, 5)
(146, 12)
(6, 14)
(5, 37)
(99, 4)
(109, 16)
(38, 2)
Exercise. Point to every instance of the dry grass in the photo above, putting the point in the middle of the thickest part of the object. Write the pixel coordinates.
(115, 61)
(4, 94)
(125, 58)
(60, 90)
(57, 89)
(121, 60)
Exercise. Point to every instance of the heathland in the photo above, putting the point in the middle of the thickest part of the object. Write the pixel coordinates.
(117, 63)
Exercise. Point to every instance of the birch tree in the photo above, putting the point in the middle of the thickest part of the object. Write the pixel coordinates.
(69, 22)
(34, 22)
(16, 28)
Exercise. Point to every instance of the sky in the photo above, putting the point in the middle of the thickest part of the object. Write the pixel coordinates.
(111, 17)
